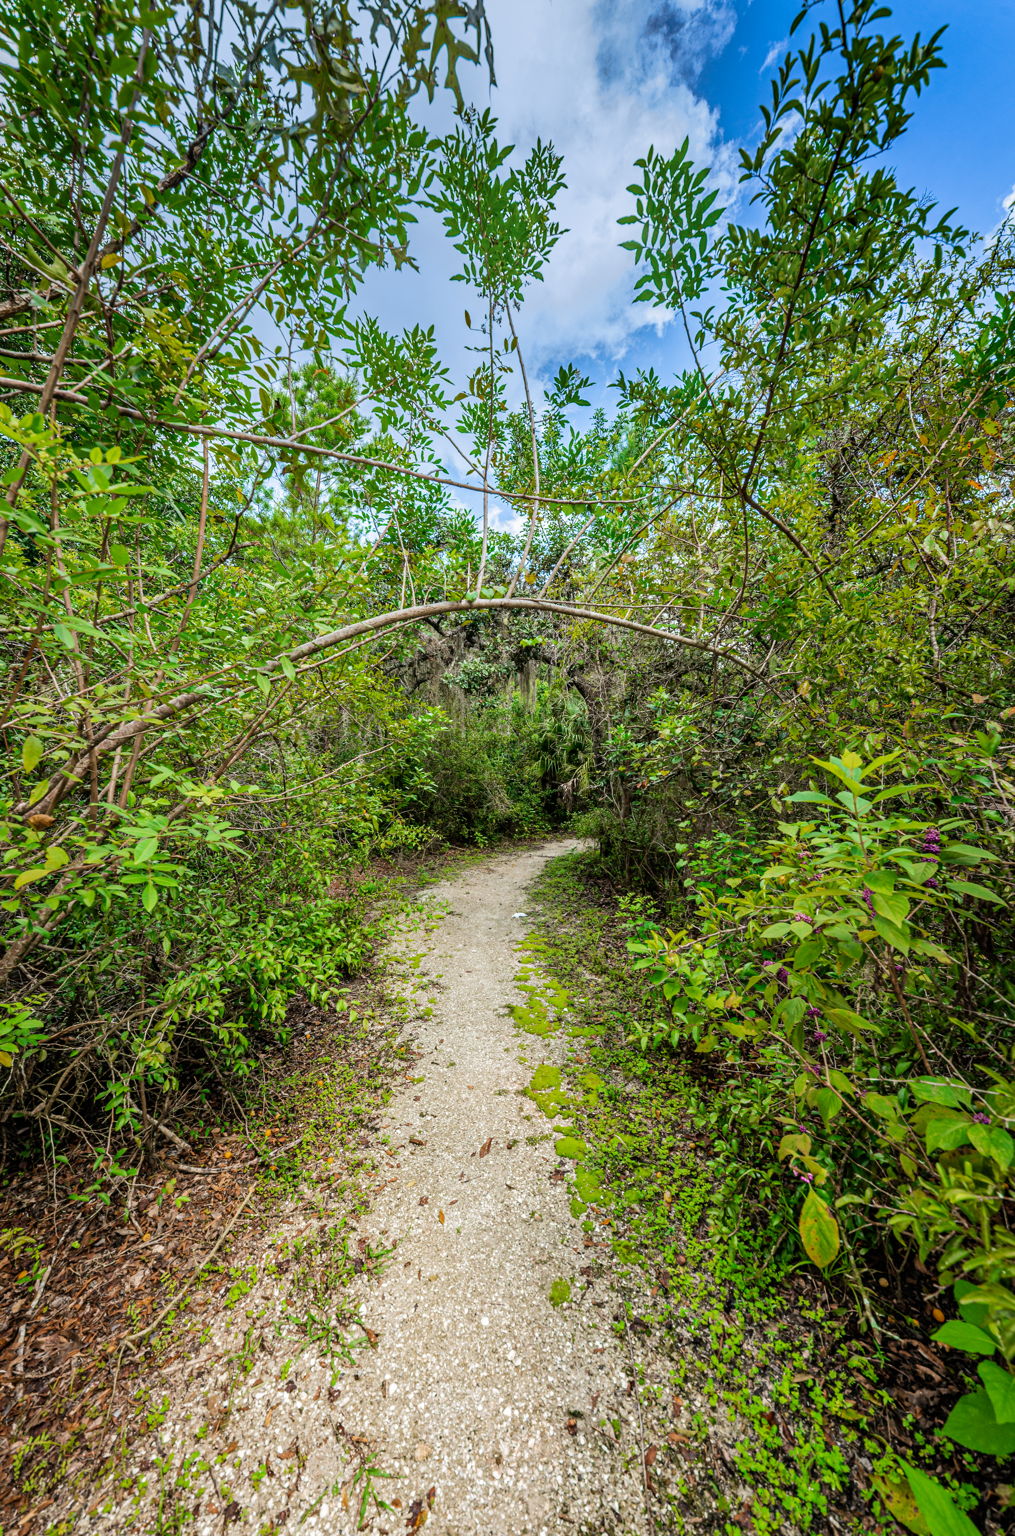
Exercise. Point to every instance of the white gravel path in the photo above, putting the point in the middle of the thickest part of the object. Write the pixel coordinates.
(480, 1373)
(489, 1407)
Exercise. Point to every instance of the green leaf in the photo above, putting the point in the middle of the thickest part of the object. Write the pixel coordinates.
(930, 1090)
(969, 888)
(845, 1018)
(887, 1108)
(936, 1505)
(963, 853)
(149, 896)
(791, 1011)
(828, 1104)
(945, 1134)
(897, 937)
(891, 905)
(965, 1336)
(1000, 1385)
(146, 849)
(31, 753)
(819, 1231)
(972, 1423)
(993, 1142)
(976, 1311)
(287, 669)
(263, 682)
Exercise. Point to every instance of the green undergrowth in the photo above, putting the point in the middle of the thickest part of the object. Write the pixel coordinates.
(778, 1412)
(273, 1297)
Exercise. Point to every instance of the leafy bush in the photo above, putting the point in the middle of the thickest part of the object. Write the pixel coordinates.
(851, 979)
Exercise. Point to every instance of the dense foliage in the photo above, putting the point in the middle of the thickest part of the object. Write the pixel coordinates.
(755, 624)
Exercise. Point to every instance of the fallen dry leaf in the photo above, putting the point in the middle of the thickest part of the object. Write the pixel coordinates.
(424, 1199)
(484, 1149)
(418, 1511)
(440, 1217)
(372, 1337)
(268, 1417)
(650, 1456)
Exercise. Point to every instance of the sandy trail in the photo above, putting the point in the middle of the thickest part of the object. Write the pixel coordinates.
(488, 1407)
(479, 1373)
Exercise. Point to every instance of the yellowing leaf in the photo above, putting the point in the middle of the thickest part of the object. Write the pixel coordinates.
(28, 875)
(819, 1231)
(900, 1503)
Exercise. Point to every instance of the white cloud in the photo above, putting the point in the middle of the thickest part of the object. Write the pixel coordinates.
(603, 83)
(603, 80)
(775, 55)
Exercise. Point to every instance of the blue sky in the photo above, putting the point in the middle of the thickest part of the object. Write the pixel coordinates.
(605, 80)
